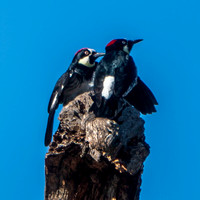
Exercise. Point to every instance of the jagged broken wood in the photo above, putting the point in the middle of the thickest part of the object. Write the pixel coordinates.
(95, 158)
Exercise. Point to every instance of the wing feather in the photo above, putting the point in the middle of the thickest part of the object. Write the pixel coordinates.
(57, 92)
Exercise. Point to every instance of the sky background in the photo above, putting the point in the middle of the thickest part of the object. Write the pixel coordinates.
(38, 40)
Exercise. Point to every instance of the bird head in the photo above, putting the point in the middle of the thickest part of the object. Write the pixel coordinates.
(86, 57)
(121, 44)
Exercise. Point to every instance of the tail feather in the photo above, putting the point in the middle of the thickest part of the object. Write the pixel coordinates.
(147, 91)
(142, 98)
(49, 129)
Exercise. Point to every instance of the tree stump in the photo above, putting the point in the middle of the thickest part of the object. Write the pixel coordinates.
(95, 158)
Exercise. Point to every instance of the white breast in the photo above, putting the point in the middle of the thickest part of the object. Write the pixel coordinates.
(108, 86)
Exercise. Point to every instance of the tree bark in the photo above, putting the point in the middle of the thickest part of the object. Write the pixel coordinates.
(95, 158)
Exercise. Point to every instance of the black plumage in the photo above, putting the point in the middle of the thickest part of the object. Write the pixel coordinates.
(116, 78)
(76, 80)
(142, 98)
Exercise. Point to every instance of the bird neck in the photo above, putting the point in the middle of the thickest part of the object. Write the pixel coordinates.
(84, 71)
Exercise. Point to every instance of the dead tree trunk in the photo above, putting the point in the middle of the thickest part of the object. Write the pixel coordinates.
(95, 159)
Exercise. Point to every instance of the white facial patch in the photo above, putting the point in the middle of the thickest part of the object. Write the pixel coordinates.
(125, 49)
(108, 86)
(86, 60)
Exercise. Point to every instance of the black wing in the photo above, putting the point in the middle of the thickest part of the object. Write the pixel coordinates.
(54, 101)
(57, 91)
(142, 98)
(114, 64)
(125, 77)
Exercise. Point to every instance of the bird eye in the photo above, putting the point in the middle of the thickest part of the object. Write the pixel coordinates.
(123, 42)
(86, 53)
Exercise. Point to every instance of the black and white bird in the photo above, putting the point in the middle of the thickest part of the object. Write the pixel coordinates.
(116, 78)
(75, 81)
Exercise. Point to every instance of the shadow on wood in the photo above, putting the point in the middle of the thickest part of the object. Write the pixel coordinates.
(95, 158)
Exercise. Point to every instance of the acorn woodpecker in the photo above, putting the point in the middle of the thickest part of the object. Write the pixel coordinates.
(116, 78)
(76, 80)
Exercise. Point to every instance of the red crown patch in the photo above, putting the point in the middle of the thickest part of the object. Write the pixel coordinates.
(110, 43)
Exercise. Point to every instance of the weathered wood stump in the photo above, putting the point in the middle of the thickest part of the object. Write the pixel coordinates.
(95, 158)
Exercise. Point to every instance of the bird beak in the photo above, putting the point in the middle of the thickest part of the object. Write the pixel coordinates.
(132, 42)
(96, 55)
(136, 41)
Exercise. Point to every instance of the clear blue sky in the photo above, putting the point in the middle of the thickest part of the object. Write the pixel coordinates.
(38, 40)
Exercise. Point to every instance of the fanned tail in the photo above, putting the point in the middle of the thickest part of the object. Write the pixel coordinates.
(142, 98)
